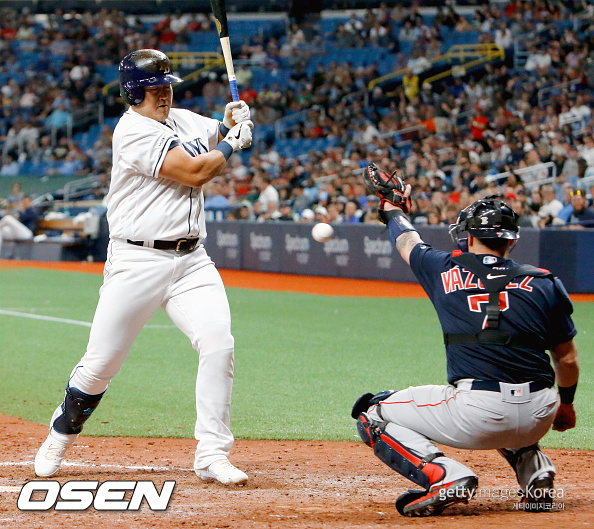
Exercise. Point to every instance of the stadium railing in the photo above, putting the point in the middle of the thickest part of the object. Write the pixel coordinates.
(527, 173)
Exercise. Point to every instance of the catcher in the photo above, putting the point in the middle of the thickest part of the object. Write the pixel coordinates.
(498, 319)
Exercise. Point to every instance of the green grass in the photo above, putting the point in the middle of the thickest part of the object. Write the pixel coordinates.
(301, 361)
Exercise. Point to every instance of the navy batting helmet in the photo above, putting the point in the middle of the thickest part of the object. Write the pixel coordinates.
(487, 218)
(142, 68)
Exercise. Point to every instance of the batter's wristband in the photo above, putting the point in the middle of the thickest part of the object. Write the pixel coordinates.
(398, 224)
(225, 148)
(223, 130)
(567, 394)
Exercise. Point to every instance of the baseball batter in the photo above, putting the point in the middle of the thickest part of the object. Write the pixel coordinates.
(498, 319)
(161, 159)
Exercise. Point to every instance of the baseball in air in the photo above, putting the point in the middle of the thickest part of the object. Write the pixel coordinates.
(322, 232)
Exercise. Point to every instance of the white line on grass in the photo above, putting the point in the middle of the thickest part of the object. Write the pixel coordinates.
(65, 320)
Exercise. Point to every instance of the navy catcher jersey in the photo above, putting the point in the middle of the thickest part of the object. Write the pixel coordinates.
(531, 307)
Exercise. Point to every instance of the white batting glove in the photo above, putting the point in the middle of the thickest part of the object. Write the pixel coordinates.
(236, 112)
(240, 136)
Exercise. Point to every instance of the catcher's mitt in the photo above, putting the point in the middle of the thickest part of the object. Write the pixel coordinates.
(388, 187)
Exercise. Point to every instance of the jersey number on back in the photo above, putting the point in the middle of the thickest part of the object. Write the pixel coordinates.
(476, 301)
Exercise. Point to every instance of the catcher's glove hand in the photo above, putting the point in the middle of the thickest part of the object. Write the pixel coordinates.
(388, 187)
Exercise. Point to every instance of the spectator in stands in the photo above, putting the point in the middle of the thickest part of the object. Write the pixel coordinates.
(566, 191)
(10, 167)
(539, 60)
(28, 214)
(479, 125)
(16, 195)
(526, 218)
(418, 62)
(586, 152)
(421, 207)
(352, 212)
(551, 206)
(582, 215)
(59, 117)
(321, 215)
(409, 33)
(268, 193)
(334, 216)
(531, 159)
(307, 215)
(410, 81)
(285, 212)
(503, 36)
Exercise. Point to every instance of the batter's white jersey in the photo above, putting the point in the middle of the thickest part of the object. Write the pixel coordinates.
(141, 206)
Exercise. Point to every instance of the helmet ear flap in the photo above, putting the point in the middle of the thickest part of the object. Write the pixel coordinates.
(133, 95)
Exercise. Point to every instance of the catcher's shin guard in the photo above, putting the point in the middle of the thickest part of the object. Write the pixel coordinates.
(76, 409)
(535, 473)
(529, 463)
(368, 429)
(398, 457)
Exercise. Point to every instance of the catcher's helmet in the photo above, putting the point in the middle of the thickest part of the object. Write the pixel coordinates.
(142, 68)
(487, 218)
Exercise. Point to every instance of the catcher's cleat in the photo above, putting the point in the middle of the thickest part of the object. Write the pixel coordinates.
(437, 498)
(540, 494)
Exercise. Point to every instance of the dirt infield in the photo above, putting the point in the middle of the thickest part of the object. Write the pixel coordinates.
(292, 485)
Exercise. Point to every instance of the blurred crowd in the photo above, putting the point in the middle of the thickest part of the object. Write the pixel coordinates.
(521, 128)
(51, 73)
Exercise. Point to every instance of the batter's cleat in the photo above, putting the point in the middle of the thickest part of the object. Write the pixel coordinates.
(437, 498)
(49, 456)
(540, 494)
(224, 472)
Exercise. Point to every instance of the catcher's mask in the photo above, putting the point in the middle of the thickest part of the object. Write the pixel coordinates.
(487, 218)
(143, 68)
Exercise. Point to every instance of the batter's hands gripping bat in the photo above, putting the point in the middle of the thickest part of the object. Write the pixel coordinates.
(220, 14)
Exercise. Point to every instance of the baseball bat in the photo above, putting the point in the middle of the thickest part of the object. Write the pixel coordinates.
(220, 15)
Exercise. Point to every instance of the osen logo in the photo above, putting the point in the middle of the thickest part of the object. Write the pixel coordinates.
(78, 495)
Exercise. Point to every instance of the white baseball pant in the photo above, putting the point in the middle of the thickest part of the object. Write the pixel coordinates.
(463, 418)
(139, 280)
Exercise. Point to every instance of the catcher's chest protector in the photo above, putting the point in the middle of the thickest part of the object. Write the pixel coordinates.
(494, 281)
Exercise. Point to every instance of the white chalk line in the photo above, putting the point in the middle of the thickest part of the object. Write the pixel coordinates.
(10, 488)
(66, 320)
(94, 465)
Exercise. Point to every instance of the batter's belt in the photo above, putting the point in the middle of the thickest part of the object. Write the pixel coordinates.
(179, 245)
